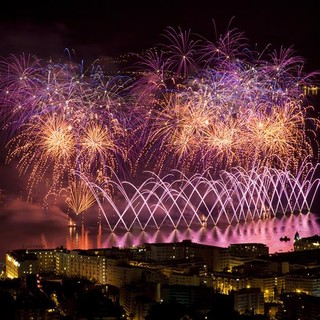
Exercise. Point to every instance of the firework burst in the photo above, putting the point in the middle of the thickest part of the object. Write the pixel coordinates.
(187, 107)
(78, 197)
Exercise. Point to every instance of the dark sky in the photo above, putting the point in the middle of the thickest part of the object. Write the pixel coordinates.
(98, 28)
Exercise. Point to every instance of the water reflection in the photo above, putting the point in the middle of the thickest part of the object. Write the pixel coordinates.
(40, 230)
(264, 231)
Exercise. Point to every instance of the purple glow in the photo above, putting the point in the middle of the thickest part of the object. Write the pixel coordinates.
(239, 195)
(42, 229)
(263, 231)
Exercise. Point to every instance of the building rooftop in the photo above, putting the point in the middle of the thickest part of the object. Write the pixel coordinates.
(22, 255)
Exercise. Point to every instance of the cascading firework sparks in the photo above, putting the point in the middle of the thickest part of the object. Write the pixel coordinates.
(79, 197)
(237, 195)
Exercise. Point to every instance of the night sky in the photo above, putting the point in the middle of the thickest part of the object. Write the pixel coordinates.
(102, 28)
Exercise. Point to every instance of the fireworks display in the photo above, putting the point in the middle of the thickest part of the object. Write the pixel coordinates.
(231, 126)
(201, 200)
(59, 120)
